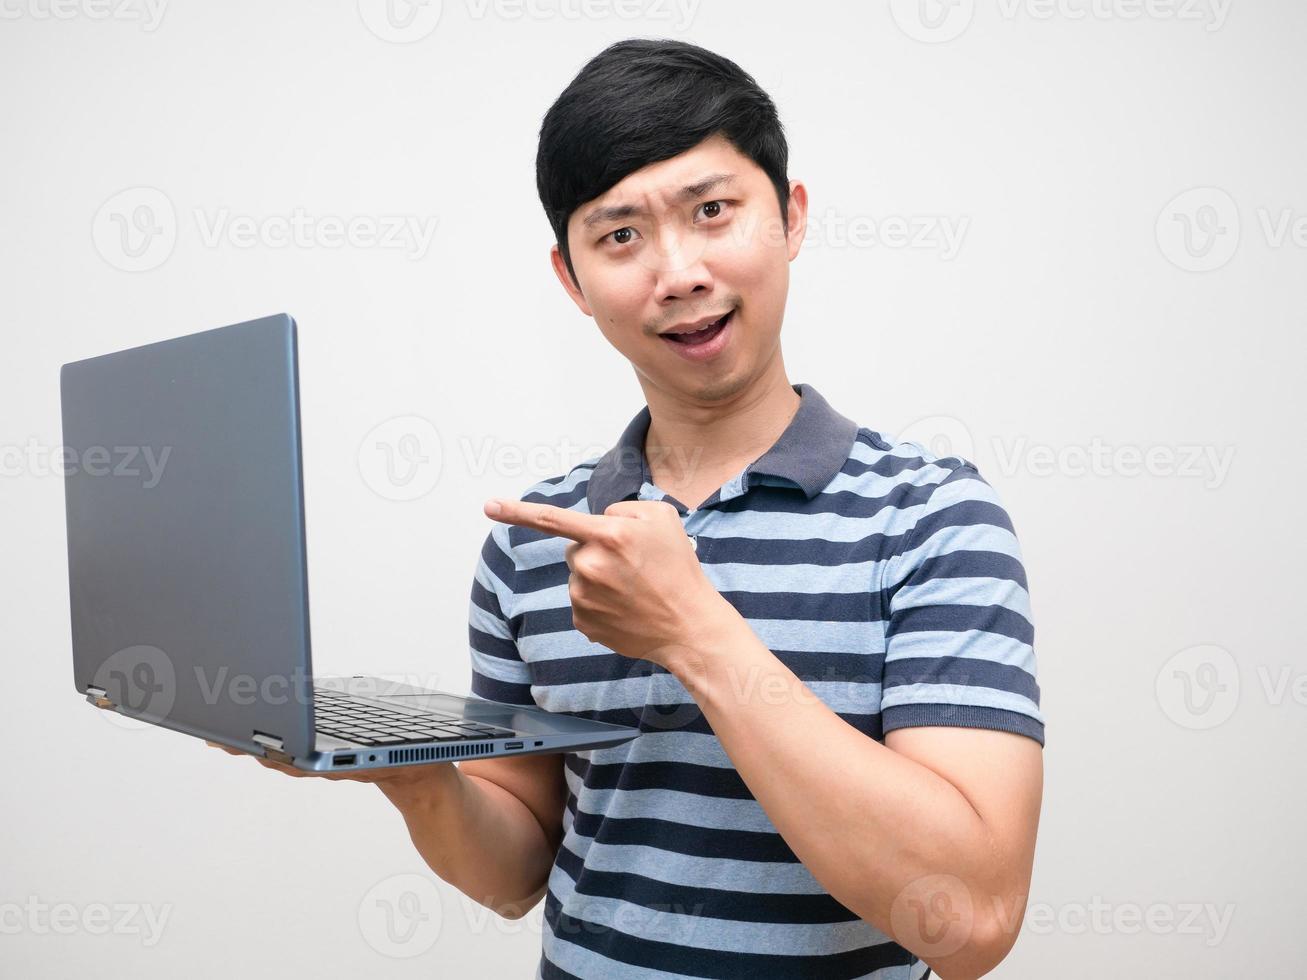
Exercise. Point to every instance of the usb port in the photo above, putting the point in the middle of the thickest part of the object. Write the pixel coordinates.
(344, 760)
(512, 745)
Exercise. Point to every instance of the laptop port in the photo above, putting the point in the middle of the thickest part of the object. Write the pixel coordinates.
(344, 760)
(512, 745)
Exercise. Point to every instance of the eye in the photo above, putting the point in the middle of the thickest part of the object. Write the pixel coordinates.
(620, 236)
(713, 209)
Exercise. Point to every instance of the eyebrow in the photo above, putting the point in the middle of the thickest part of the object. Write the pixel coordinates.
(619, 212)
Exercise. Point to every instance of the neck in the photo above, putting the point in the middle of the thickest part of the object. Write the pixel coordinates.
(698, 444)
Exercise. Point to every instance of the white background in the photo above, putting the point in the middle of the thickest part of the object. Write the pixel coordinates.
(1073, 317)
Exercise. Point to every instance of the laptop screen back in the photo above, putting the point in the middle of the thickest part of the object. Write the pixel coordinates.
(186, 554)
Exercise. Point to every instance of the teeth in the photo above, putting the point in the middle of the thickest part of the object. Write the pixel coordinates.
(711, 326)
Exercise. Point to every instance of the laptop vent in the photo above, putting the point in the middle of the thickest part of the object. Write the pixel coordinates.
(399, 757)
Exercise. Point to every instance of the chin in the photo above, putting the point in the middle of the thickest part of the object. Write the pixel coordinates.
(720, 388)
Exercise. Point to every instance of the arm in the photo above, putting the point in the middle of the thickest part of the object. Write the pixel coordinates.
(507, 827)
(929, 837)
(489, 827)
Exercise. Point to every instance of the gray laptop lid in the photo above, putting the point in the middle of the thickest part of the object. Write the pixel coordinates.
(185, 512)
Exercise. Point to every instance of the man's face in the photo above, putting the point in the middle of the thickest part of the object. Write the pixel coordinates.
(675, 245)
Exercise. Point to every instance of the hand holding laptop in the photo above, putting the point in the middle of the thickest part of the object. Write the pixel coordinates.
(189, 591)
(428, 778)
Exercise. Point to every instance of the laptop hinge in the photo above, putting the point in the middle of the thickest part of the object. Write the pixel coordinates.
(97, 696)
(273, 747)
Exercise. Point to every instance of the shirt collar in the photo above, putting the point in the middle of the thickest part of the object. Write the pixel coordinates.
(809, 453)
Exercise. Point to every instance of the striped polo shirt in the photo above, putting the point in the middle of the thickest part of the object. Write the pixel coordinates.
(888, 580)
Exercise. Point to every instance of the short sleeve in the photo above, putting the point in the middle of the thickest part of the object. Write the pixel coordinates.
(498, 672)
(959, 637)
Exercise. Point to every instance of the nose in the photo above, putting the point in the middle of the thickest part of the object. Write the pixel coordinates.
(678, 263)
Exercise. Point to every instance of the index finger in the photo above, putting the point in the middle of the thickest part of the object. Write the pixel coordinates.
(547, 518)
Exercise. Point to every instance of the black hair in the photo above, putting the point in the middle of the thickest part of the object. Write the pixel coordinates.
(643, 100)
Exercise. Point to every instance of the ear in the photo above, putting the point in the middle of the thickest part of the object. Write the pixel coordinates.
(565, 277)
(797, 212)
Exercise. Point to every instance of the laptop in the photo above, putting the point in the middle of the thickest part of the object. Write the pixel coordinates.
(187, 569)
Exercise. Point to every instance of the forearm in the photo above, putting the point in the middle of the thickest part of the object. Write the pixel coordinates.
(867, 822)
(475, 835)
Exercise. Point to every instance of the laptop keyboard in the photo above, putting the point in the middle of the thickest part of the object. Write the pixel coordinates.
(341, 716)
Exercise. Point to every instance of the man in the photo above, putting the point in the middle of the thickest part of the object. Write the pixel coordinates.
(825, 636)
(850, 632)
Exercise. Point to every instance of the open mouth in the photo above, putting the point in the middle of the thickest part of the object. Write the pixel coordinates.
(703, 336)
